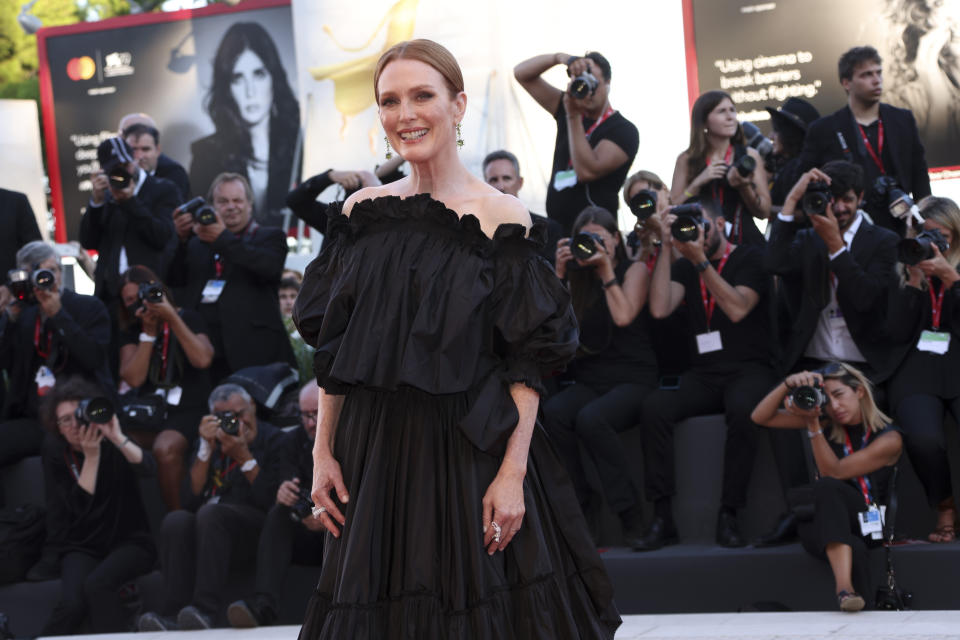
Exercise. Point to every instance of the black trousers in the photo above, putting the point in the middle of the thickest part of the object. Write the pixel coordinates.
(281, 542)
(90, 590)
(577, 416)
(836, 505)
(921, 419)
(197, 551)
(733, 389)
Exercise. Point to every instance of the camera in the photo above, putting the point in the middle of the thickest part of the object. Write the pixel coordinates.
(198, 208)
(816, 198)
(583, 85)
(808, 397)
(95, 410)
(303, 507)
(18, 281)
(150, 292)
(643, 204)
(915, 250)
(229, 422)
(887, 192)
(756, 139)
(119, 177)
(684, 228)
(585, 245)
(43, 279)
(745, 165)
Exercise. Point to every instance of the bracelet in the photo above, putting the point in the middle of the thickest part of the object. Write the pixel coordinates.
(814, 434)
(204, 451)
(687, 193)
(702, 266)
(125, 441)
(249, 465)
(610, 283)
(146, 338)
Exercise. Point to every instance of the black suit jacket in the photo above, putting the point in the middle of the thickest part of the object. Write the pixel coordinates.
(18, 226)
(864, 272)
(250, 327)
(143, 224)
(822, 144)
(171, 170)
(80, 334)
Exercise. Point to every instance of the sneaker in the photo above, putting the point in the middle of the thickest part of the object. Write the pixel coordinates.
(151, 621)
(242, 616)
(192, 619)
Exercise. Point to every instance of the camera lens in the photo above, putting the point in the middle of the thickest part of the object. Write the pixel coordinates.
(229, 422)
(684, 228)
(119, 178)
(643, 204)
(808, 397)
(95, 410)
(816, 198)
(44, 279)
(150, 292)
(583, 85)
(746, 165)
(205, 216)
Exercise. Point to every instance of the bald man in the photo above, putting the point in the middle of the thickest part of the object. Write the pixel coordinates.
(140, 131)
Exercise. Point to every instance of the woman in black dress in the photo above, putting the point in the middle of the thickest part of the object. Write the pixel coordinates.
(434, 319)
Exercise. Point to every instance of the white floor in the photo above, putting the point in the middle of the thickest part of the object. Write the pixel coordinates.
(872, 625)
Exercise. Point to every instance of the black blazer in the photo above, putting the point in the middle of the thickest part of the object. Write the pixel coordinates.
(80, 334)
(864, 274)
(822, 144)
(171, 170)
(18, 226)
(251, 328)
(143, 224)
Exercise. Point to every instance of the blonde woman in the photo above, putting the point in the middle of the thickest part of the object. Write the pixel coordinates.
(925, 317)
(855, 447)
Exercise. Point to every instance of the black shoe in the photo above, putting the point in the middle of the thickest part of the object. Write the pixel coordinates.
(784, 532)
(155, 622)
(658, 534)
(631, 522)
(728, 531)
(192, 619)
(243, 616)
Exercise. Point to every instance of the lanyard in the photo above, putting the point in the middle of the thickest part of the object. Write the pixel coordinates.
(874, 154)
(863, 481)
(606, 114)
(220, 474)
(163, 352)
(74, 466)
(45, 351)
(936, 303)
(716, 190)
(709, 302)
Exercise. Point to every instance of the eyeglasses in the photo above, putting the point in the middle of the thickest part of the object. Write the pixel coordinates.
(68, 420)
(309, 415)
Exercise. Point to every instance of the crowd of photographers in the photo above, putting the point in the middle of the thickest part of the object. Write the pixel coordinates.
(698, 310)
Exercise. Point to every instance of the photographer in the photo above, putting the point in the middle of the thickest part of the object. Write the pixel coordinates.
(152, 158)
(615, 367)
(595, 145)
(165, 355)
(225, 497)
(855, 448)
(719, 171)
(230, 272)
(96, 512)
(925, 316)
(790, 122)
(723, 288)
(48, 334)
(290, 531)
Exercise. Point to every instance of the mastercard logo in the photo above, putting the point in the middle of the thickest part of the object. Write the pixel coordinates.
(81, 68)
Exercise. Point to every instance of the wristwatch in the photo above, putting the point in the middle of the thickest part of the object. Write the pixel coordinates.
(703, 266)
(248, 465)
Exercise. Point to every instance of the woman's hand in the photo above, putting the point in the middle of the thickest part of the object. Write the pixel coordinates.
(149, 321)
(327, 477)
(563, 256)
(162, 311)
(601, 264)
(502, 505)
(90, 438)
(735, 180)
(112, 431)
(804, 379)
(714, 171)
(939, 267)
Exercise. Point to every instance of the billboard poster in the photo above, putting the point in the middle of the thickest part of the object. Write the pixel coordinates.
(220, 82)
(762, 53)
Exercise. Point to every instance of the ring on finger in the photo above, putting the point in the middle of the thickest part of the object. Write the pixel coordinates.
(317, 511)
(497, 530)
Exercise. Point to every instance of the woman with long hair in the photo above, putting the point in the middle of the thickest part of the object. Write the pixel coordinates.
(855, 447)
(256, 117)
(615, 367)
(434, 320)
(924, 316)
(717, 168)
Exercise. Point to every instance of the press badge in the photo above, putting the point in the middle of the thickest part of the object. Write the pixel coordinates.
(564, 179)
(173, 396)
(45, 380)
(709, 342)
(934, 341)
(211, 292)
(871, 521)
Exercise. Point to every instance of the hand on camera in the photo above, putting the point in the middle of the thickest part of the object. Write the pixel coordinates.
(939, 267)
(735, 180)
(149, 321)
(235, 447)
(100, 184)
(828, 229)
(563, 257)
(90, 438)
(803, 379)
(182, 224)
(288, 493)
(112, 431)
(791, 203)
(124, 194)
(714, 171)
(162, 311)
(209, 232)
(209, 425)
(49, 301)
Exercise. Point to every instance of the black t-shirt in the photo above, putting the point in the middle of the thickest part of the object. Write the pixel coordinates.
(744, 341)
(563, 206)
(879, 479)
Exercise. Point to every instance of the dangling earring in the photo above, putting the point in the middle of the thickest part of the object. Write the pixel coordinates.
(705, 130)
(459, 137)
(389, 153)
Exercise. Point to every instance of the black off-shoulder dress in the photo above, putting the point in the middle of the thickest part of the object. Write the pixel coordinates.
(422, 322)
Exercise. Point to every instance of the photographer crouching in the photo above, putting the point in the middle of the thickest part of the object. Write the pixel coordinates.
(855, 448)
(97, 516)
(226, 496)
(615, 367)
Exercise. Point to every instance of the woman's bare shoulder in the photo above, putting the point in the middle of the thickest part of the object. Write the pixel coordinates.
(499, 208)
(367, 193)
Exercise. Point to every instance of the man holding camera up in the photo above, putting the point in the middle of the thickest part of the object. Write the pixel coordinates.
(227, 494)
(722, 285)
(595, 145)
(882, 139)
(230, 268)
(291, 530)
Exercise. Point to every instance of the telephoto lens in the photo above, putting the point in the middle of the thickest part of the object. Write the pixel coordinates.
(150, 292)
(229, 422)
(643, 204)
(746, 165)
(201, 212)
(808, 397)
(583, 85)
(684, 228)
(44, 279)
(584, 245)
(119, 178)
(95, 410)
(912, 251)
(816, 198)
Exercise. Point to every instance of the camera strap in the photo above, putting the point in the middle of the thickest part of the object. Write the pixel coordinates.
(43, 352)
(606, 114)
(863, 481)
(709, 302)
(72, 463)
(936, 303)
(874, 154)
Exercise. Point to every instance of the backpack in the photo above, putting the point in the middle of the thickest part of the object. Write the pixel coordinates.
(22, 532)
